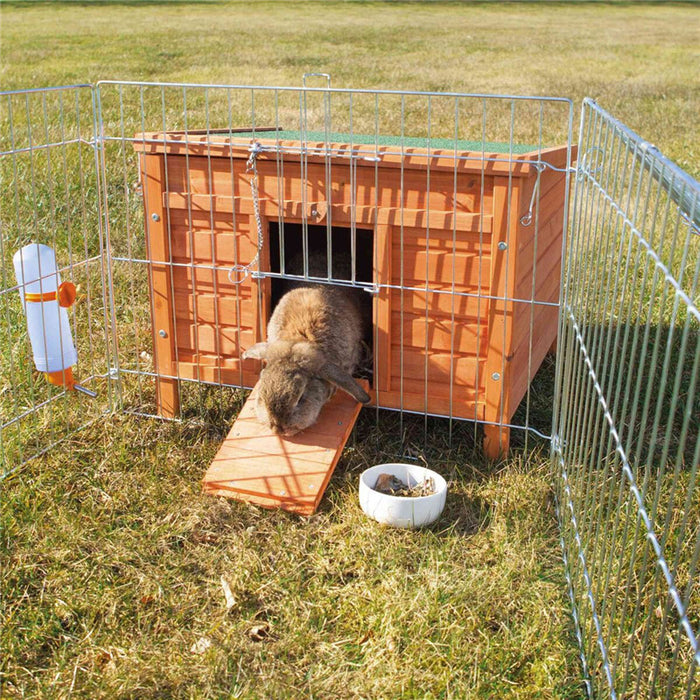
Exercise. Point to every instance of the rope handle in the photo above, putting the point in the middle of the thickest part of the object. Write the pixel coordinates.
(251, 167)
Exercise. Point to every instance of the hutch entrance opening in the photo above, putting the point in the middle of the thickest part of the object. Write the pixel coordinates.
(351, 255)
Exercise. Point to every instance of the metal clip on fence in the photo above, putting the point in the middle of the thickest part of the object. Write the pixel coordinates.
(591, 163)
(251, 167)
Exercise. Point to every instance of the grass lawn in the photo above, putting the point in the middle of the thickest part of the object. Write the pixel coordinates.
(114, 563)
(638, 61)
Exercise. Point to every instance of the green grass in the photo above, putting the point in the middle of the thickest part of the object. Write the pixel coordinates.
(112, 556)
(114, 573)
(638, 61)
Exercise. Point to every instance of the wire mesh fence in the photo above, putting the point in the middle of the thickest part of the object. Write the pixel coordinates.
(184, 212)
(49, 165)
(626, 444)
(436, 203)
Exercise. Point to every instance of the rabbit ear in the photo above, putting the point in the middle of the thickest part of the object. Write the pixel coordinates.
(257, 352)
(334, 374)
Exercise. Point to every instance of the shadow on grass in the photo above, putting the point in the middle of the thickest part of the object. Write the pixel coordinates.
(647, 377)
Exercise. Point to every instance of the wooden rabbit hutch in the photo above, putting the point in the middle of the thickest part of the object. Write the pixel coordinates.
(456, 264)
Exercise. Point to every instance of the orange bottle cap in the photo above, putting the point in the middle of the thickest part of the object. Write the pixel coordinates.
(63, 377)
(66, 294)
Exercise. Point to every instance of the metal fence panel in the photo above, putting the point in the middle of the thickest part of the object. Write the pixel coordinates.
(626, 443)
(205, 194)
(49, 168)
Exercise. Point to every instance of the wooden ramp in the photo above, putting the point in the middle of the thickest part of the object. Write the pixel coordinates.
(256, 465)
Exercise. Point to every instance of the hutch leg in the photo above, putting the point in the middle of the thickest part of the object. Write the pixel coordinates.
(496, 441)
(167, 398)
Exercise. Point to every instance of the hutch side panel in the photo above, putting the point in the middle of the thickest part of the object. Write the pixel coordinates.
(538, 279)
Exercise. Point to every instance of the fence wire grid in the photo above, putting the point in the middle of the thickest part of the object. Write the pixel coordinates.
(136, 185)
(625, 441)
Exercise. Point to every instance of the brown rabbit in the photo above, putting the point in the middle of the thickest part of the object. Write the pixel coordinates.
(314, 345)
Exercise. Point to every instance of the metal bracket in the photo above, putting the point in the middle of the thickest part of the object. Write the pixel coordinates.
(591, 163)
(327, 76)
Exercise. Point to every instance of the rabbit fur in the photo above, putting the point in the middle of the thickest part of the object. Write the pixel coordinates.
(314, 345)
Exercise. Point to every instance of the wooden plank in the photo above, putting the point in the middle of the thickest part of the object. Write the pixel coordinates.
(158, 252)
(212, 246)
(544, 236)
(203, 220)
(382, 307)
(548, 262)
(466, 309)
(549, 180)
(214, 178)
(472, 162)
(548, 205)
(437, 405)
(412, 191)
(210, 339)
(496, 441)
(502, 284)
(465, 399)
(544, 327)
(446, 240)
(412, 266)
(526, 313)
(440, 366)
(202, 280)
(436, 220)
(221, 309)
(203, 175)
(200, 206)
(254, 464)
(548, 268)
(218, 370)
(525, 355)
(439, 333)
(409, 158)
(553, 155)
(416, 385)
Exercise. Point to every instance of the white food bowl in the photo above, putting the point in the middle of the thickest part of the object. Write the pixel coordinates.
(402, 511)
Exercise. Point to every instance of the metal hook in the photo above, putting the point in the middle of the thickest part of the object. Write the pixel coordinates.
(526, 219)
(255, 150)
